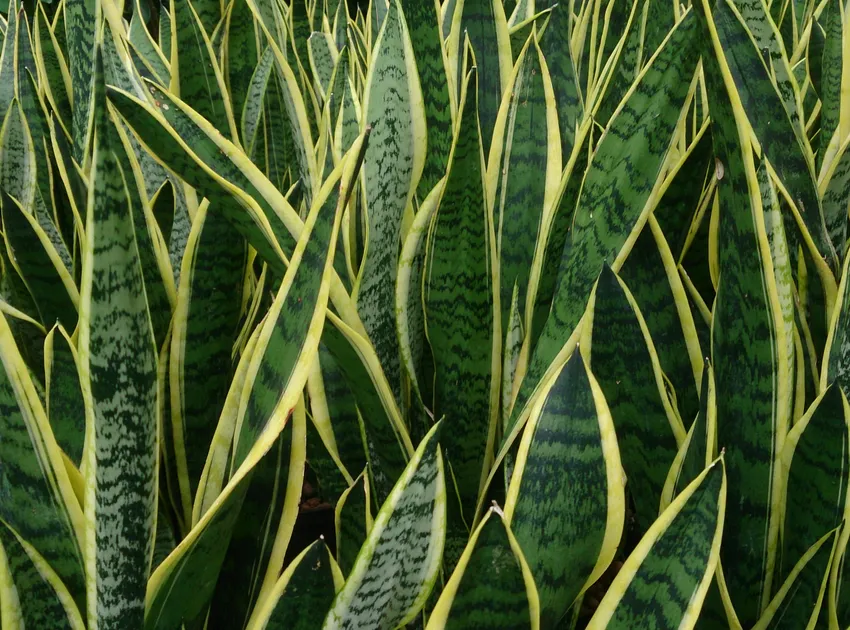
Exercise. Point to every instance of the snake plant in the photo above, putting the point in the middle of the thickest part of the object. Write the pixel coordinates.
(545, 305)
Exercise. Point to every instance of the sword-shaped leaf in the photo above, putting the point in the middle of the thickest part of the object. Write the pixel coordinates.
(241, 55)
(50, 284)
(749, 349)
(491, 586)
(38, 502)
(304, 593)
(392, 106)
(835, 114)
(555, 47)
(80, 28)
(255, 413)
(523, 173)
(749, 81)
(43, 599)
(53, 67)
(7, 58)
(65, 403)
(352, 521)
(484, 23)
(423, 27)
(817, 461)
(626, 366)
(664, 581)
(203, 333)
(460, 307)
(615, 198)
(149, 50)
(398, 564)
(17, 158)
(566, 501)
(195, 75)
(118, 368)
(797, 604)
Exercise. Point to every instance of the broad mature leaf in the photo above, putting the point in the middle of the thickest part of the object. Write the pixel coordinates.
(748, 350)
(566, 501)
(612, 205)
(38, 503)
(304, 593)
(398, 564)
(118, 365)
(663, 582)
(491, 587)
(626, 365)
(459, 307)
(392, 166)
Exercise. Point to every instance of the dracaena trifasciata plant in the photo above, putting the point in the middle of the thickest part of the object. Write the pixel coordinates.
(546, 305)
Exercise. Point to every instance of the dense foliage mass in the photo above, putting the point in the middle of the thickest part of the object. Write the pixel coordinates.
(546, 304)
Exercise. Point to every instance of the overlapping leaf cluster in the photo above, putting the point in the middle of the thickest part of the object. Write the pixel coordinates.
(549, 302)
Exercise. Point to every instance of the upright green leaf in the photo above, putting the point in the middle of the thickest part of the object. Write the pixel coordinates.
(203, 334)
(41, 269)
(616, 195)
(665, 579)
(555, 46)
(44, 600)
(391, 170)
(195, 75)
(817, 459)
(749, 348)
(423, 20)
(484, 23)
(491, 587)
(257, 410)
(798, 602)
(626, 365)
(459, 307)
(568, 484)
(352, 522)
(65, 404)
(398, 564)
(524, 173)
(81, 20)
(241, 53)
(304, 593)
(118, 365)
(772, 127)
(38, 503)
